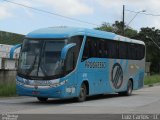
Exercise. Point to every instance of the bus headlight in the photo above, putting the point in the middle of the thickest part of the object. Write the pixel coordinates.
(19, 83)
(59, 84)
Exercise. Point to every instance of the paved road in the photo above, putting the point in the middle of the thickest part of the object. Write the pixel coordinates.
(146, 100)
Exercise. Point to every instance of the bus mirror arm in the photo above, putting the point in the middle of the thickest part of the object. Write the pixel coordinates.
(66, 49)
(13, 49)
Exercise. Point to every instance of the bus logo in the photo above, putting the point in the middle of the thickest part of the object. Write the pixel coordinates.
(117, 76)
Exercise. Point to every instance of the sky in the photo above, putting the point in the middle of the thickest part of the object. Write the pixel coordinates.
(18, 19)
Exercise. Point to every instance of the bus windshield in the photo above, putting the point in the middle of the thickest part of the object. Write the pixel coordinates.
(41, 58)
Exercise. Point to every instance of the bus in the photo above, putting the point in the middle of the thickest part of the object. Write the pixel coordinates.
(67, 62)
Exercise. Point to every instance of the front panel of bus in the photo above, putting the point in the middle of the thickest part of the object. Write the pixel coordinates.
(41, 71)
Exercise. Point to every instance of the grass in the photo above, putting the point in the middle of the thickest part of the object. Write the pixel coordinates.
(150, 80)
(7, 89)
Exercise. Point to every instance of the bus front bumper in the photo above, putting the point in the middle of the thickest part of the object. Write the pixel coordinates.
(23, 90)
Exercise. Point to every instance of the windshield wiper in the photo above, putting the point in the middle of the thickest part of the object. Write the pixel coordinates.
(32, 66)
(40, 59)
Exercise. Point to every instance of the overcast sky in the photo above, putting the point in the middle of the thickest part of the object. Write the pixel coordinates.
(22, 20)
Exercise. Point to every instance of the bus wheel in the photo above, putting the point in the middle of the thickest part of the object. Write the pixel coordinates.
(42, 99)
(129, 89)
(83, 93)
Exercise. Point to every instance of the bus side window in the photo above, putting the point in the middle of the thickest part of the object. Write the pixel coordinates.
(112, 49)
(86, 51)
(99, 49)
(70, 60)
(105, 50)
(123, 50)
(92, 48)
(140, 51)
(132, 51)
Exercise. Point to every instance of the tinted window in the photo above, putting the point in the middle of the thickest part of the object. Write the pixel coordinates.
(112, 47)
(72, 55)
(140, 51)
(136, 51)
(123, 50)
(105, 48)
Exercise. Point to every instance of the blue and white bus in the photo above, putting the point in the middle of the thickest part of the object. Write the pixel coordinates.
(65, 62)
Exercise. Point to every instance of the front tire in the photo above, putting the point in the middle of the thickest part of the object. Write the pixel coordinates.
(42, 99)
(83, 93)
(129, 89)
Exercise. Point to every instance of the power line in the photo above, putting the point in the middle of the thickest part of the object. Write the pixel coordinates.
(156, 15)
(48, 12)
(135, 16)
(153, 41)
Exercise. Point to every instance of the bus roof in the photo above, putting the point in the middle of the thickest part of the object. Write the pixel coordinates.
(63, 32)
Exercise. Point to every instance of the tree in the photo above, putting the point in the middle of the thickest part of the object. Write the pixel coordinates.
(10, 38)
(105, 27)
(117, 28)
(129, 32)
(152, 51)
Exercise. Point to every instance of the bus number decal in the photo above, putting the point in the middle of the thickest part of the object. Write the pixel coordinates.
(117, 76)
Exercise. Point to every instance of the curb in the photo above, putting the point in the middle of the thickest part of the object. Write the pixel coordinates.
(151, 85)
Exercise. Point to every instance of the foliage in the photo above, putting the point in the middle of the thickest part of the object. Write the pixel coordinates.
(105, 27)
(130, 33)
(148, 35)
(117, 28)
(10, 38)
(8, 89)
(149, 80)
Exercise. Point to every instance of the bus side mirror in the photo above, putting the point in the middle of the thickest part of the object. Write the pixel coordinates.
(66, 49)
(13, 49)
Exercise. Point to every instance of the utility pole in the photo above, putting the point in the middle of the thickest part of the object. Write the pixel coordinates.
(123, 20)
